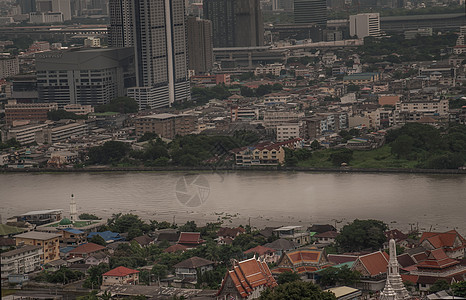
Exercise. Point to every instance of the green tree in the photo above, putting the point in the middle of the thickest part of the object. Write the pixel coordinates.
(297, 290)
(315, 145)
(362, 234)
(247, 92)
(87, 216)
(352, 88)
(263, 89)
(339, 276)
(439, 285)
(97, 239)
(340, 156)
(94, 280)
(459, 288)
(109, 152)
(147, 136)
(402, 146)
(189, 226)
(11, 143)
(288, 276)
(59, 114)
(159, 271)
(121, 105)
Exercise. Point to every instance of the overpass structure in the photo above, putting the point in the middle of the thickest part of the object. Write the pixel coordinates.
(66, 32)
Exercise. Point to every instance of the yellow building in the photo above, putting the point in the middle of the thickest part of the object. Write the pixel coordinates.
(48, 241)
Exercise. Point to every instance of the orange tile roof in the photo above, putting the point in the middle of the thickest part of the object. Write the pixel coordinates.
(443, 240)
(375, 263)
(120, 272)
(248, 275)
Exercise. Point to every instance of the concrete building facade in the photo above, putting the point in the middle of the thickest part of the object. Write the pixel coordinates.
(200, 46)
(87, 76)
(48, 242)
(166, 125)
(362, 25)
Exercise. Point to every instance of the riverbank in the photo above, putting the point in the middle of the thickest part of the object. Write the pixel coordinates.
(237, 168)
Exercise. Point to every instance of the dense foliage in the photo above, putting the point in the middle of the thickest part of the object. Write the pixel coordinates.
(362, 234)
(297, 290)
(433, 148)
(338, 276)
(189, 150)
(419, 49)
(11, 143)
(59, 114)
(64, 275)
(121, 105)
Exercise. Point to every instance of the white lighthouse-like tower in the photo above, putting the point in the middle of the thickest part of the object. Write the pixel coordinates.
(73, 210)
(394, 285)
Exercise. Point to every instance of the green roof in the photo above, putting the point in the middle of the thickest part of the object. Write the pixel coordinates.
(65, 221)
(7, 230)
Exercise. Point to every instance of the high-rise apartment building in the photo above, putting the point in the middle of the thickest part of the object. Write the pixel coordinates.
(362, 25)
(88, 77)
(63, 6)
(200, 51)
(310, 11)
(235, 23)
(156, 30)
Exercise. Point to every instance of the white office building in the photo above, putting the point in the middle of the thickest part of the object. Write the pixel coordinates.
(362, 25)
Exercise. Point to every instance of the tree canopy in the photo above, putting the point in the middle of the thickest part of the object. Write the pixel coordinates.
(362, 234)
(297, 290)
(121, 105)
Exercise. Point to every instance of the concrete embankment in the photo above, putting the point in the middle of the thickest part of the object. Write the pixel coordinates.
(241, 169)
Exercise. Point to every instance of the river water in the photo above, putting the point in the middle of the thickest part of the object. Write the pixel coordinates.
(432, 202)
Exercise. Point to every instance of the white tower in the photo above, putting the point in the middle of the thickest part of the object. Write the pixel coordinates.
(73, 210)
(394, 281)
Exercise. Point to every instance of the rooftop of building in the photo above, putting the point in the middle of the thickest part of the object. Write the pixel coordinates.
(37, 235)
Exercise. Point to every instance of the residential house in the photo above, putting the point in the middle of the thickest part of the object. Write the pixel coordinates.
(227, 235)
(451, 242)
(97, 259)
(144, 240)
(265, 154)
(281, 246)
(373, 269)
(108, 236)
(22, 260)
(296, 234)
(86, 250)
(121, 276)
(48, 241)
(246, 280)
(190, 239)
(264, 254)
(321, 228)
(326, 237)
(72, 237)
(187, 270)
(304, 261)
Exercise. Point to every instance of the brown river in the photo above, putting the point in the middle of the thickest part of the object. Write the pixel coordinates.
(430, 202)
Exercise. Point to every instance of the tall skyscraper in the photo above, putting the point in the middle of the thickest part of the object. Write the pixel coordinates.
(200, 52)
(235, 23)
(156, 30)
(310, 11)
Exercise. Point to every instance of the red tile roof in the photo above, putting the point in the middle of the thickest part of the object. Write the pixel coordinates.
(249, 274)
(120, 272)
(87, 249)
(260, 250)
(327, 234)
(437, 260)
(190, 238)
(230, 232)
(341, 258)
(396, 234)
(444, 240)
(375, 263)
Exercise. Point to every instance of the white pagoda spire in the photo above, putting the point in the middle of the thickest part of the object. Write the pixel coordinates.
(73, 210)
(394, 282)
